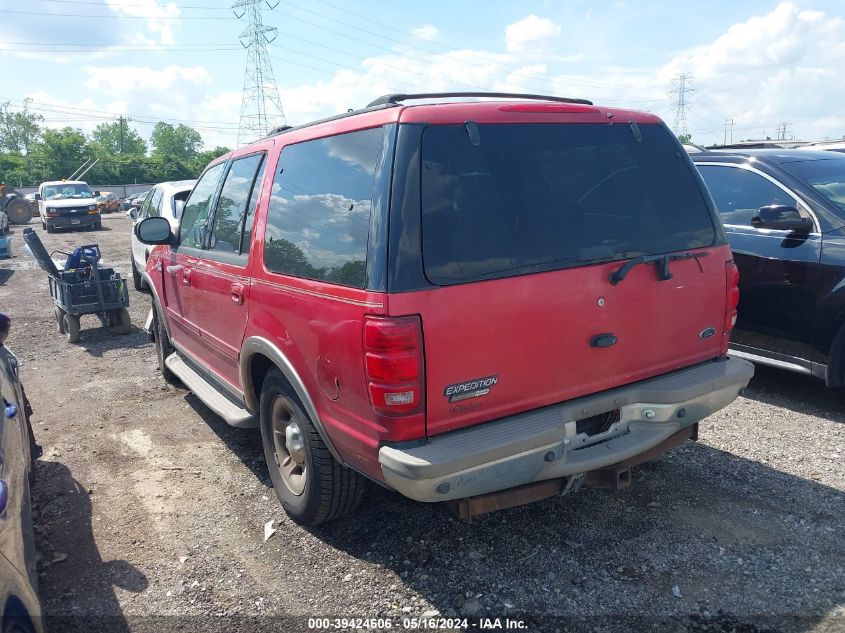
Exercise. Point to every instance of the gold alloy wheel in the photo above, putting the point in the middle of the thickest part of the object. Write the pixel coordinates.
(288, 446)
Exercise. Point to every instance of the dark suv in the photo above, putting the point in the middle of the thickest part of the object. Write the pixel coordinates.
(481, 302)
(784, 214)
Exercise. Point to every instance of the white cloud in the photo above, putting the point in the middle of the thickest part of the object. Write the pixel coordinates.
(785, 65)
(162, 17)
(426, 32)
(143, 79)
(529, 32)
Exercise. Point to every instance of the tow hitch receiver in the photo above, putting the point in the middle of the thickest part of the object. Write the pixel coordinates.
(615, 477)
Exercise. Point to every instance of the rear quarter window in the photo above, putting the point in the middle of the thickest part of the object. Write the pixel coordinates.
(535, 197)
(319, 214)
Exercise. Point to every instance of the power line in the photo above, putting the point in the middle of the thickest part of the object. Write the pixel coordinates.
(261, 107)
(541, 76)
(102, 114)
(125, 4)
(112, 16)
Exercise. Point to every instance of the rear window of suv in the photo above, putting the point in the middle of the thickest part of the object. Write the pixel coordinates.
(504, 200)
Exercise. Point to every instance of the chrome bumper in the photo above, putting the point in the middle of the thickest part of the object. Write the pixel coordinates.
(544, 444)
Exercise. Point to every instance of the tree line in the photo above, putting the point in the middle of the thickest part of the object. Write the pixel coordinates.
(31, 153)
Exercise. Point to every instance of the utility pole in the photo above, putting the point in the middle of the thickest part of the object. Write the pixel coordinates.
(682, 89)
(729, 123)
(261, 107)
(121, 133)
(783, 129)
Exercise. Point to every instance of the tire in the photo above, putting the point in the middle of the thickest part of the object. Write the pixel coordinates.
(43, 225)
(19, 212)
(98, 225)
(137, 281)
(122, 321)
(71, 327)
(163, 347)
(50, 229)
(311, 485)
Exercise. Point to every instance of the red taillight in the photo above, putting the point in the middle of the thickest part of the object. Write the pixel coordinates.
(393, 361)
(731, 302)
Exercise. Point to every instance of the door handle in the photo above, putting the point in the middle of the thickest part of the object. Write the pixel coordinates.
(186, 276)
(172, 270)
(237, 293)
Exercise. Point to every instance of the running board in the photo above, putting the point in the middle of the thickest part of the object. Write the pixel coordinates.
(221, 405)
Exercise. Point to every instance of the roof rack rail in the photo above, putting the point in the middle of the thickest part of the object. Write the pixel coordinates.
(398, 97)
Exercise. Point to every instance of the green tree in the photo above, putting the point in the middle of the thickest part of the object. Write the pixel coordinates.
(61, 152)
(286, 257)
(203, 158)
(685, 138)
(352, 273)
(180, 142)
(113, 139)
(19, 130)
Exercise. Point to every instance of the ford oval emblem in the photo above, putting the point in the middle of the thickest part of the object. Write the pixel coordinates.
(706, 333)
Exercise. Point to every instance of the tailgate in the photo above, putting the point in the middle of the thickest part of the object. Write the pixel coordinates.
(499, 347)
(522, 225)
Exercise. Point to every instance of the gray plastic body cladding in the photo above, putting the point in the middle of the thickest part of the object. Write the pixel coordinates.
(514, 451)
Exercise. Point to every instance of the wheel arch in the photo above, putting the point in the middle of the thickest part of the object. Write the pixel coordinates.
(258, 356)
(156, 304)
(828, 338)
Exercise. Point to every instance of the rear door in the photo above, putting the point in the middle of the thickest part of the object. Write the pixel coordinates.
(181, 302)
(522, 227)
(221, 278)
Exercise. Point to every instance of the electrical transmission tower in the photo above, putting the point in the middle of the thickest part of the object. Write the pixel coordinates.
(783, 130)
(261, 108)
(682, 89)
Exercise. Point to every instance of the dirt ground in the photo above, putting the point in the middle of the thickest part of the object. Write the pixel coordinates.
(150, 512)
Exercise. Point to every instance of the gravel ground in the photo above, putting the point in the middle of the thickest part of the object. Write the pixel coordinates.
(150, 512)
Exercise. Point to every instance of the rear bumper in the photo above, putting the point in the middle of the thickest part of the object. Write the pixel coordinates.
(543, 444)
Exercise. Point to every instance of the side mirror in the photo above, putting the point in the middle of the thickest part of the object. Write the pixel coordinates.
(133, 213)
(97, 193)
(155, 230)
(38, 196)
(781, 217)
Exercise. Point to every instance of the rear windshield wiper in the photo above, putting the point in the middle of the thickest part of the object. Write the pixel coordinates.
(662, 261)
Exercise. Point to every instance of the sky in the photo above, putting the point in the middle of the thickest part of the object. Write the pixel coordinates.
(758, 63)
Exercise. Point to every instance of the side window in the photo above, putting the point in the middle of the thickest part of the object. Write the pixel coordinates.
(153, 202)
(740, 193)
(246, 235)
(194, 227)
(319, 215)
(234, 204)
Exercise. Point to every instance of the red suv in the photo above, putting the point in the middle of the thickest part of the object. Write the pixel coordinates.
(483, 302)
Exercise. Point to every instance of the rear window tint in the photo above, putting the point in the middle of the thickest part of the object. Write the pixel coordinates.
(516, 199)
